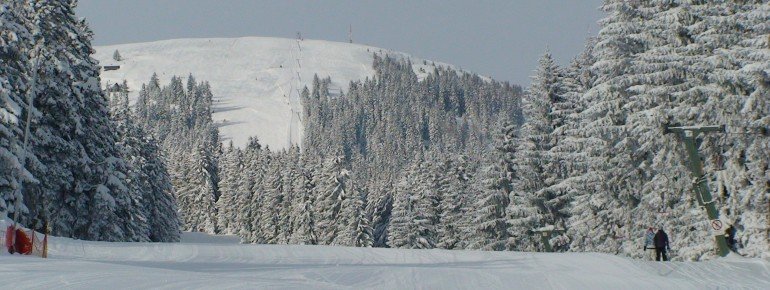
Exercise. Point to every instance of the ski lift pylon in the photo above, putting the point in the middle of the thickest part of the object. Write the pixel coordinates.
(662, 210)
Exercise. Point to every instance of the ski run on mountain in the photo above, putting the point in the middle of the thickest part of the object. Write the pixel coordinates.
(336, 145)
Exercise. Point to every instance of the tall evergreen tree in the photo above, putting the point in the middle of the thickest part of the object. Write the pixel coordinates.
(196, 194)
(453, 184)
(82, 190)
(304, 220)
(533, 202)
(15, 37)
(334, 187)
(226, 204)
(604, 207)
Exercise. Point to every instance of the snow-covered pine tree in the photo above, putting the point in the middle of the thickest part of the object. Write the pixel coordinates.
(248, 178)
(736, 94)
(160, 205)
(402, 232)
(47, 140)
(607, 204)
(363, 236)
(130, 145)
(195, 192)
(291, 172)
(149, 95)
(569, 151)
(170, 114)
(272, 202)
(379, 208)
(203, 104)
(15, 40)
(417, 208)
(148, 180)
(453, 185)
(303, 220)
(82, 190)
(259, 167)
(333, 186)
(489, 210)
(533, 203)
(656, 81)
(354, 229)
(752, 203)
(230, 167)
(684, 64)
(426, 206)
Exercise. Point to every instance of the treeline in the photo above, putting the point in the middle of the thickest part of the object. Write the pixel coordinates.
(285, 198)
(593, 157)
(439, 199)
(178, 115)
(458, 162)
(147, 174)
(383, 124)
(386, 119)
(77, 174)
(315, 196)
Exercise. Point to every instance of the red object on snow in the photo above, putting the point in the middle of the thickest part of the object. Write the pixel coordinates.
(23, 243)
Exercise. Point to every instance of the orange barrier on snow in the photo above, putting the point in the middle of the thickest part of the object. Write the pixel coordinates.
(25, 242)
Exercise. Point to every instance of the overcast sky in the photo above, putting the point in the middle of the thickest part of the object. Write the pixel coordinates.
(502, 39)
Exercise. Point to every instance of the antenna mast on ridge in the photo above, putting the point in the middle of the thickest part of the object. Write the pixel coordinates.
(350, 33)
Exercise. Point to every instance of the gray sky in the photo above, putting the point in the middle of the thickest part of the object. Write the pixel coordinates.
(502, 39)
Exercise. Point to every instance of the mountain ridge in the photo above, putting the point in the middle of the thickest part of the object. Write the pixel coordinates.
(255, 80)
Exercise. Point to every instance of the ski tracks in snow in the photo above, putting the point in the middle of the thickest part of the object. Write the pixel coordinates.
(210, 262)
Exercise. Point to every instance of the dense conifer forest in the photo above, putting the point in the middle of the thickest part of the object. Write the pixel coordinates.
(450, 160)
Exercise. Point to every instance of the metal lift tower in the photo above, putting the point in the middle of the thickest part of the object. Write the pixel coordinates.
(700, 185)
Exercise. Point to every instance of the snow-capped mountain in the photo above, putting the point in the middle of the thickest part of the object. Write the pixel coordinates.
(255, 80)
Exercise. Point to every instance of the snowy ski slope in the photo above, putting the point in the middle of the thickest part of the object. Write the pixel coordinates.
(256, 80)
(209, 262)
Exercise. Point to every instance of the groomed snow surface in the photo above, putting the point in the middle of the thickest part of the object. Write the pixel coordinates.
(255, 80)
(218, 262)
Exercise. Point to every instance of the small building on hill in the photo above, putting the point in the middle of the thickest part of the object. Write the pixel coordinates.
(111, 67)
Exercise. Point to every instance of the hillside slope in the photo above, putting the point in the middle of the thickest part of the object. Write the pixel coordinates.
(206, 262)
(255, 80)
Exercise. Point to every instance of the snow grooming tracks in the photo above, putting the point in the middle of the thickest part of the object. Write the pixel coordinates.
(220, 262)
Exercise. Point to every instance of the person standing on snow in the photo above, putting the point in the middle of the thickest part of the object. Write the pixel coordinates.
(661, 245)
(649, 240)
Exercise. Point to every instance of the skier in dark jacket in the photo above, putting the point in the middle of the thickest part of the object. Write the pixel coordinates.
(661, 245)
